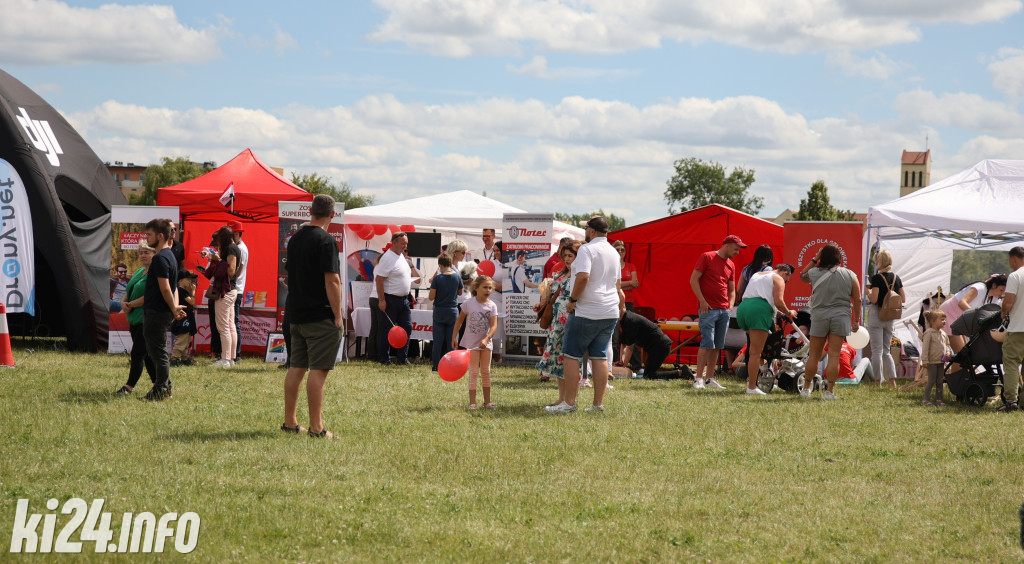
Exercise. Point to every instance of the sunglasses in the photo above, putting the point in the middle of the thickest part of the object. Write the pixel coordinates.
(122, 272)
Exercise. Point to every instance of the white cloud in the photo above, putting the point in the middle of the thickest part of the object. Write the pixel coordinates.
(877, 66)
(969, 112)
(1008, 72)
(457, 28)
(578, 154)
(537, 67)
(52, 32)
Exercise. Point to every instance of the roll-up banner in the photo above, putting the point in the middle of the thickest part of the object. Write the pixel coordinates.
(525, 247)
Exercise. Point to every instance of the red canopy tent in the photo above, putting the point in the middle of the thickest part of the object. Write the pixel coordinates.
(257, 190)
(665, 251)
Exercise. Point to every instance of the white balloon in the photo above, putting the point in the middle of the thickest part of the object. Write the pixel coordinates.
(859, 338)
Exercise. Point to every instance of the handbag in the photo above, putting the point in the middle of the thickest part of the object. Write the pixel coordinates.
(211, 294)
(546, 314)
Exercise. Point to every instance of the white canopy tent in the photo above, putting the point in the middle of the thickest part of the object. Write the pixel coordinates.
(978, 208)
(462, 213)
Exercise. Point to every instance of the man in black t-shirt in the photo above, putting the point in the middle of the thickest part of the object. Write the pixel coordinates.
(160, 307)
(314, 310)
(635, 329)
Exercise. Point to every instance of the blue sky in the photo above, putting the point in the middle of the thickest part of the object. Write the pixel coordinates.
(553, 105)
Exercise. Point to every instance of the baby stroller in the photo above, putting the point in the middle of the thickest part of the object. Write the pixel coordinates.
(785, 355)
(980, 362)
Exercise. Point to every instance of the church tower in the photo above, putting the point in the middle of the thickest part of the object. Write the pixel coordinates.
(915, 171)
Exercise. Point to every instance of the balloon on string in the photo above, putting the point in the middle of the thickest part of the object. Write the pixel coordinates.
(859, 338)
(408, 228)
(453, 365)
(397, 337)
(485, 268)
(380, 229)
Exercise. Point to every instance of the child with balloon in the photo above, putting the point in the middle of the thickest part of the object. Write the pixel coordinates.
(481, 318)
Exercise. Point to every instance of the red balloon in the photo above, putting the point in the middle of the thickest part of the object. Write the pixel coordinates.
(380, 229)
(363, 231)
(486, 268)
(398, 337)
(394, 229)
(453, 365)
(408, 228)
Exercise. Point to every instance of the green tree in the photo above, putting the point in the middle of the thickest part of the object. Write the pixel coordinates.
(818, 207)
(698, 183)
(614, 221)
(168, 173)
(318, 184)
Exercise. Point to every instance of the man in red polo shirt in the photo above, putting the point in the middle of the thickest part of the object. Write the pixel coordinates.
(714, 285)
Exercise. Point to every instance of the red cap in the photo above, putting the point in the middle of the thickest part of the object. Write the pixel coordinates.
(734, 239)
(236, 226)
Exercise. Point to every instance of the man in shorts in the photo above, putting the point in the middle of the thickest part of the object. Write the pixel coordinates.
(595, 304)
(314, 308)
(714, 285)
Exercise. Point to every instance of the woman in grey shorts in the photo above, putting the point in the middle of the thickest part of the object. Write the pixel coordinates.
(833, 288)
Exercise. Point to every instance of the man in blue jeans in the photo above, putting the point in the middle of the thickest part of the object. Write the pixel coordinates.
(714, 285)
(595, 304)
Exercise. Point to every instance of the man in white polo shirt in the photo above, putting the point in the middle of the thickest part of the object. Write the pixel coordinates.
(596, 302)
(393, 279)
(1013, 345)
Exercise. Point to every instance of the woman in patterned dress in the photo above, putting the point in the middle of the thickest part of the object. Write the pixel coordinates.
(550, 364)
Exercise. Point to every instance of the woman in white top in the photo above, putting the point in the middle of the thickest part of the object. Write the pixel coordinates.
(971, 296)
(763, 298)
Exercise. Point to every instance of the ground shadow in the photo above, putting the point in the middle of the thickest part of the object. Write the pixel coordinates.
(219, 436)
(87, 396)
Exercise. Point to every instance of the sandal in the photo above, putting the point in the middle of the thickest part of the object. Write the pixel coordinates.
(323, 434)
(472, 406)
(940, 403)
(296, 429)
(586, 384)
(1008, 406)
(490, 406)
(927, 403)
(545, 378)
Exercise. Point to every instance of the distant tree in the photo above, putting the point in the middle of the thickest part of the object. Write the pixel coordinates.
(168, 173)
(818, 207)
(318, 184)
(698, 183)
(614, 221)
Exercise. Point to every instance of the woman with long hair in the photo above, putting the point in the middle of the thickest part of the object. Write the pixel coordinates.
(973, 295)
(222, 289)
(879, 330)
(550, 364)
(134, 297)
(762, 262)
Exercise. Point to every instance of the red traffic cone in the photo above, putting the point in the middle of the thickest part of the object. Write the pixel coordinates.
(6, 356)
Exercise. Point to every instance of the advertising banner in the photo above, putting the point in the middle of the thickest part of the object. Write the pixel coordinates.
(803, 239)
(525, 247)
(291, 216)
(127, 229)
(17, 251)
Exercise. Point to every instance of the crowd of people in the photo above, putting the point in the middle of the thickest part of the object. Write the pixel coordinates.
(586, 306)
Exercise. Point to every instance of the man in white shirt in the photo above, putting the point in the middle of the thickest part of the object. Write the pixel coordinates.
(489, 249)
(596, 302)
(237, 228)
(520, 277)
(393, 279)
(1013, 345)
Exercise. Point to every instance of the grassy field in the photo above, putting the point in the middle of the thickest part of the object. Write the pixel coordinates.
(667, 473)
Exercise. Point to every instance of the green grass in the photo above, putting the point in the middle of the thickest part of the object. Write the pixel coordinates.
(666, 474)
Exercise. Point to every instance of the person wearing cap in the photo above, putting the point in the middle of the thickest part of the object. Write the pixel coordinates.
(243, 262)
(713, 282)
(595, 304)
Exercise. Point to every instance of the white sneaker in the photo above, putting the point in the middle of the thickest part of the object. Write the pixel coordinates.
(595, 409)
(805, 393)
(563, 407)
(222, 363)
(698, 383)
(828, 396)
(713, 384)
(756, 392)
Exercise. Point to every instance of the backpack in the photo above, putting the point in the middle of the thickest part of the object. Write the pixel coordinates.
(892, 304)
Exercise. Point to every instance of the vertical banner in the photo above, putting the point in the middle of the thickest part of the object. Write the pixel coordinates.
(525, 247)
(290, 217)
(127, 229)
(17, 249)
(803, 239)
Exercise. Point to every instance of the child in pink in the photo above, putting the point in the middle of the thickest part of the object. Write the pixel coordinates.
(481, 318)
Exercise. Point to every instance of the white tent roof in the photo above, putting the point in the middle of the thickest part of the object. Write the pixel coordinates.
(450, 210)
(987, 197)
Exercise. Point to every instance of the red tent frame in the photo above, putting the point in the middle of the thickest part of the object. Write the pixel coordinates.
(258, 189)
(665, 251)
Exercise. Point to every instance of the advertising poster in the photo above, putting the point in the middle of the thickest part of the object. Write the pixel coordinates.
(291, 216)
(17, 266)
(525, 247)
(127, 228)
(803, 239)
